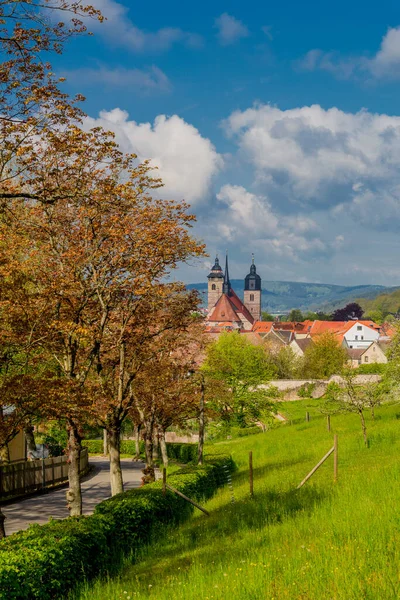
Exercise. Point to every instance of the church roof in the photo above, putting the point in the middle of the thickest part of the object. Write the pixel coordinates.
(224, 310)
(228, 308)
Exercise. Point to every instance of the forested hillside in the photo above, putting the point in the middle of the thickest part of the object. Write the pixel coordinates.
(279, 296)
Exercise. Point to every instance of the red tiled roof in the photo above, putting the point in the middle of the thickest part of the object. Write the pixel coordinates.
(240, 307)
(262, 326)
(224, 310)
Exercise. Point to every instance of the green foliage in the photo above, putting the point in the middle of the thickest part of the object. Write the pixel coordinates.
(266, 316)
(46, 561)
(372, 369)
(377, 316)
(182, 452)
(384, 303)
(295, 315)
(185, 453)
(241, 367)
(286, 363)
(55, 438)
(221, 430)
(325, 357)
(306, 390)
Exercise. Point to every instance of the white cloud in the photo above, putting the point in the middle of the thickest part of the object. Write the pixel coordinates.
(230, 30)
(248, 219)
(320, 158)
(384, 64)
(120, 29)
(142, 80)
(186, 161)
(331, 62)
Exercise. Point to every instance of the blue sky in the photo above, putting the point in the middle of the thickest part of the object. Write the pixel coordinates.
(278, 122)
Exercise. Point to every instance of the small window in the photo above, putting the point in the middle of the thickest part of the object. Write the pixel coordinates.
(251, 297)
(362, 337)
(356, 337)
(213, 287)
(366, 359)
(359, 327)
(374, 348)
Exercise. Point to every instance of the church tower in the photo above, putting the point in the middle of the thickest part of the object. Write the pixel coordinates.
(252, 292)
(215, 284)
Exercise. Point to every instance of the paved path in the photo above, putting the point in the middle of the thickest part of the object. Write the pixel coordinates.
(95, 488)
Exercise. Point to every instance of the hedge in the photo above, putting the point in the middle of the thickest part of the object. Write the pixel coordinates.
(127, 446)
(46, 561)
(182, 452)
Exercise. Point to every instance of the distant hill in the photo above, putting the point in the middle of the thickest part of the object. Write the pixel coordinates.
(282, 296)
(388, 302)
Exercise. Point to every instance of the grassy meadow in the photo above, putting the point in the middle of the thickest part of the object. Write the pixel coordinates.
(325, 541)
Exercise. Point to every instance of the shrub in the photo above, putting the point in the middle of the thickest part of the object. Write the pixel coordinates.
(372, 368)
(127, 446)
(306, 390)
(46, 561)
(183, 452)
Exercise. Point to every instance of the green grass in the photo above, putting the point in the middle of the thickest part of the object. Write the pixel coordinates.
(325, 541)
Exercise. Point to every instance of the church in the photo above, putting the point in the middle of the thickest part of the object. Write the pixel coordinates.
(225, 309)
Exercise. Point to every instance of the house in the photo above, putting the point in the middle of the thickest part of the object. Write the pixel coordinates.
(361, 334)
(299, 345)
(374, 353)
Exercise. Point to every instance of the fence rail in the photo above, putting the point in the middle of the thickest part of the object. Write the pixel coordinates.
(29, 476)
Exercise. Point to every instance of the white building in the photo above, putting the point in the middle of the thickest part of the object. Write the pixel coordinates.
(361, 334)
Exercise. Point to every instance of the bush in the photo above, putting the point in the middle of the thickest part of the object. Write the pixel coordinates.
(185, 453)
(306, 390)
(372, 368)
(127, 446)
(46, 561)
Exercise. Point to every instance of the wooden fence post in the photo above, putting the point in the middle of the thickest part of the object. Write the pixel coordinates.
(251, 473)
(328, 422)
(307, 416)
(335, 458)
(164, 481)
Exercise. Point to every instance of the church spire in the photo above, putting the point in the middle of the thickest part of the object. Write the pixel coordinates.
(226, 288)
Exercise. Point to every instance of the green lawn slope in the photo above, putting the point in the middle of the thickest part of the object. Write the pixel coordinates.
(325, 541)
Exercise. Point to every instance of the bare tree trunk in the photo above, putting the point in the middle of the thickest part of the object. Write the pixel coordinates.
(364, 427)
(30, 439)
(105, 442)
(148, 442)
(201, 425)
(5, 454)
(155, 445)
(137, 441)
(74, 496)
(163, 447)
(373, 412)
(114, 443)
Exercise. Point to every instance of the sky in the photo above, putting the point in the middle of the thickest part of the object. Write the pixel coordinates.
(279, 123)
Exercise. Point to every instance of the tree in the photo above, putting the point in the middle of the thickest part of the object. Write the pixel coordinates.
(376, 316)
(325, 357)
(295, 315)
(349, 396)
(31, 102)
(241, 367)
(350, 312)
(165, 389)
(266, 316)
(96, 256)
(286, 363)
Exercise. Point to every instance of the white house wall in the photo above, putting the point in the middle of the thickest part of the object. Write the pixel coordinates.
(360, 336)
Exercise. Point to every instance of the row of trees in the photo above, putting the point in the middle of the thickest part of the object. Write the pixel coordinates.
(92, 331)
